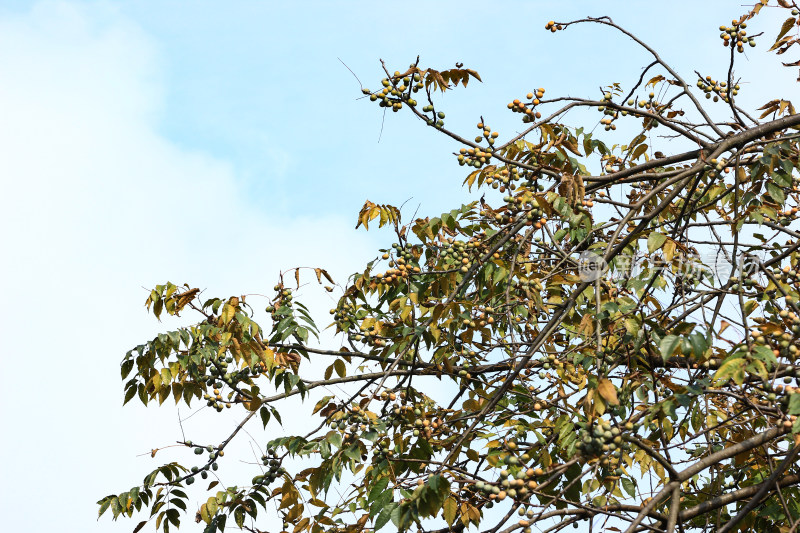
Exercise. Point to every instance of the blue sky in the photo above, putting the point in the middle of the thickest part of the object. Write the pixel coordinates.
(218, 143)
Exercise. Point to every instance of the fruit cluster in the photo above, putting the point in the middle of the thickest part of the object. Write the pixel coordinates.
(610, 113)
(508, 178)
(600, 438)
(270, 459)
(650, 105)
(735, 35)
(400, 268)
(528, 109)
(717, 89)
(220, 374)
(526, 202)
(435, 120)
(345, 315)
(553, 27)
(213, 455)
(458, 254)
(486, 133)
(747, 285)
(517, 479)
(396, 90)
(418, 418)
(399, 89)
(474, 157)
(216, 401)
(370, 334)
(352, 422)
(283, 298)
(785, 342)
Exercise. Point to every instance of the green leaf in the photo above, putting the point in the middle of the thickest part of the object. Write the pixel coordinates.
(378, 488)
(698, 343)
(764, 353)
(353, 452)
(655, 241)
(776, 193)
(104, 504)
(277, 416)
(629, 486)
(127, 365)
(381, 502)
(782, 179)
(335, 438)
(130, 393)
(667, 346)
(731, 368)
(116, 509)
(794, 404)
(403, 516)
(384, 516)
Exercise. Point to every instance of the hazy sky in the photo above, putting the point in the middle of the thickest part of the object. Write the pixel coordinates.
(216, 144)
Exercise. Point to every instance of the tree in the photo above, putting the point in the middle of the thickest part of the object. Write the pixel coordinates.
(568, 353)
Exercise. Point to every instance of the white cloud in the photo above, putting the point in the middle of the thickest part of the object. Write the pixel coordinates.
(95, 206)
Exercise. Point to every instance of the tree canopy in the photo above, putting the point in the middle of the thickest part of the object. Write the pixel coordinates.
(606, 337)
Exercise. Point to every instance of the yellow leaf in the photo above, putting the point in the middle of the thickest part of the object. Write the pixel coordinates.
(542, 202)
(599, 406)
(450, 510)
(638, 151)
(228, 312)
(585, 327)
(669, 249)
(608, 391)
(785, 27)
